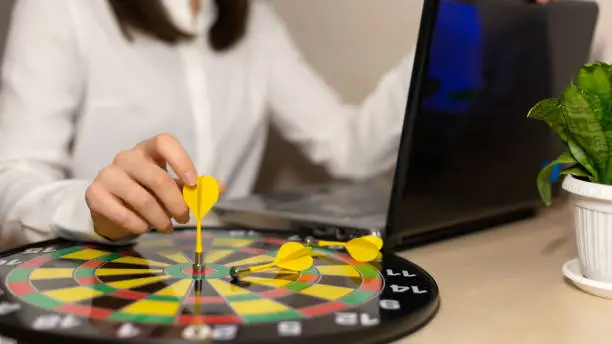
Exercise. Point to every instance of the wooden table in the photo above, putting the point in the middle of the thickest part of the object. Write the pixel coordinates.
(505, 285)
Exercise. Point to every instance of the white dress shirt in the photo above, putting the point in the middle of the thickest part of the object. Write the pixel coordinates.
(75, 92)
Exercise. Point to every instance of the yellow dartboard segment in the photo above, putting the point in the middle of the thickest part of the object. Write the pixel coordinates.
(174, 256)
(338, 270)
(74, 294)
(178, 289)
(119, 272)
(51, 273)
(139, 261)
(213, 255)
(227, 289)
(153, 307)
(86, 254)
(231, 242)
(327, 292)
(260, 306)
(137, 282)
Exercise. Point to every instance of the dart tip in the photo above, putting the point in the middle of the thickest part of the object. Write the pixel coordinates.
(198, 287)
(235, 272)
(310, 240)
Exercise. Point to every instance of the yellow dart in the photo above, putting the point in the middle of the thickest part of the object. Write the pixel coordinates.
(377, 241)
(200, 199)
(291, 256)
(362, 249)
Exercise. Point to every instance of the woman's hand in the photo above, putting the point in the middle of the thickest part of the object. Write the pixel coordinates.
(136, 192)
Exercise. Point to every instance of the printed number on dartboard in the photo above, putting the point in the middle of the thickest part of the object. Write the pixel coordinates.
(354, 319)
(31, 250)
(403, 273)
(128, 330)
(8, 307)
(203, 332)
(10, 262)
(290, 328)
(402, 289)
(55, 322)
(37, 250)
(396, 288)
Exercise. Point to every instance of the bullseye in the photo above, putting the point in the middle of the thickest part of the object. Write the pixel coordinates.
(186, 271)
(206, 271)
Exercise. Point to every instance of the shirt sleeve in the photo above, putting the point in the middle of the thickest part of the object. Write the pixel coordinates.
(41, 90)
(352, 142)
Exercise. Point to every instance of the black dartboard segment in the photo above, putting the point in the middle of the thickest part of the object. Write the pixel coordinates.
(71, 292)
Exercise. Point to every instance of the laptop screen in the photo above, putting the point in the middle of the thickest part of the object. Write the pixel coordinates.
(470, 152)
(335, 129)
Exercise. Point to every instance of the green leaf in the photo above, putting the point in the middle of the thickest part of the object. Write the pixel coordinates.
(543, 179)
(594, 79)
(596, 106)
(584, 128)
(608, 68)
(550, 111)
(581, 157)
(576, 171)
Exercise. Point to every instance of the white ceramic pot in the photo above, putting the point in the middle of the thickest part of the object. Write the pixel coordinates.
(593, 224)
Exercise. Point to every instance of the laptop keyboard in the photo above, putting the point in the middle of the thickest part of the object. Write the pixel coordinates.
(336, 201)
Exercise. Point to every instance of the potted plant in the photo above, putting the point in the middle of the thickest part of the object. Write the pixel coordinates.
(582, 118)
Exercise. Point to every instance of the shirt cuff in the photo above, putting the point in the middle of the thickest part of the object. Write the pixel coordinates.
(72, 219)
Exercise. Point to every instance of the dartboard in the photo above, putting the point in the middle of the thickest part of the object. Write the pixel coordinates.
(73, 292)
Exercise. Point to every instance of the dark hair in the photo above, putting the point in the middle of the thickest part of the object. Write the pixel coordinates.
(152, 18)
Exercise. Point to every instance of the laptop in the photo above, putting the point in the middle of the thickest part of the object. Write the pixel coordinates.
(468, 156)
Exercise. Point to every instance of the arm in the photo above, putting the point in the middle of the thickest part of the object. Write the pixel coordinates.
(352, 142)
(41, 90)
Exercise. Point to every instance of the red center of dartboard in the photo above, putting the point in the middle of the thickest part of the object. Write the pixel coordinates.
(206, 271)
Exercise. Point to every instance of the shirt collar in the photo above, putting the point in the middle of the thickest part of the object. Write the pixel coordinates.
(181, 15)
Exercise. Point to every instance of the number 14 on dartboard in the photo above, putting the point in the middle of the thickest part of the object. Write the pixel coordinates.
(397, 288)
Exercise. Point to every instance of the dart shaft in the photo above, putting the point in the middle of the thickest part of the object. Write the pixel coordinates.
(315, 242)
(330, 243)
(236, 272)
(198, 248)
(199, 221)
(260, 267)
